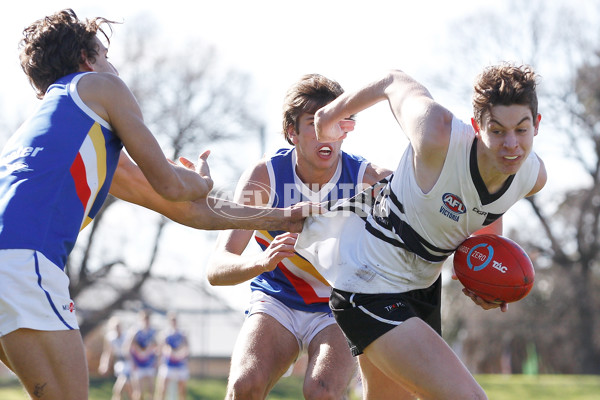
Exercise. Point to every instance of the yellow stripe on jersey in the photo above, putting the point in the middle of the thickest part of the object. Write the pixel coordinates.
(297, 260)
(93, 154)
(97, 137)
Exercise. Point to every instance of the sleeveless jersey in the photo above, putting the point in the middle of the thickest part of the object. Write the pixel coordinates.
(175, 340)
(296, 282)
(395, 238)
(117, 344)
(55, 172)
(144, 338)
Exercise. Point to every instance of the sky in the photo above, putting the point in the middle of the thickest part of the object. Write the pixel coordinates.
(276, 42)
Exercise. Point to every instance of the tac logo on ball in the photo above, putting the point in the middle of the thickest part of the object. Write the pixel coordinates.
(480, 256)
(494, 268)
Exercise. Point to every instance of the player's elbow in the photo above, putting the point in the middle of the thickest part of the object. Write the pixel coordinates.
(216, 280)
(213, 276)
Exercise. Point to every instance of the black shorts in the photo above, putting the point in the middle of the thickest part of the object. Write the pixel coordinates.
(365, 317)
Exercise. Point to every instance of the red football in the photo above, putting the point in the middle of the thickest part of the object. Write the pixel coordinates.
(494, 267)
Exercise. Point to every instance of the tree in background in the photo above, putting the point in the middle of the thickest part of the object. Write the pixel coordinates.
(191, 102)
(556, 329)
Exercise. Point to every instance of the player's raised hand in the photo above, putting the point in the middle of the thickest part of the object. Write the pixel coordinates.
(328, 130)
(347, 125)
(201, 168)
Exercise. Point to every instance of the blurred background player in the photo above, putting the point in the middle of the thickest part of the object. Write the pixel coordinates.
(174, 352)
(288, 312)
(143, 350)
(114, 353)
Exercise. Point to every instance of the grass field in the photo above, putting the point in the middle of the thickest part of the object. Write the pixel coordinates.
(497, 387)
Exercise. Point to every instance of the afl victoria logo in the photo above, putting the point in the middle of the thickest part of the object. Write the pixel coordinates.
(480, 256)
(453, 203)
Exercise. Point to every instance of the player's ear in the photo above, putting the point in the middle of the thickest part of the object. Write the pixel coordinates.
(292, 135)
(537, 124)
(475, 125)
(84, 62)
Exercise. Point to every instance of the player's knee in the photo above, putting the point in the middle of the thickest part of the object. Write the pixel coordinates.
(321, 390)
(247, 387)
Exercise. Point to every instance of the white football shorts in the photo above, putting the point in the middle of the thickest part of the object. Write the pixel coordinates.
(303, 325)
(143, 372)
(179, 373)
(34, 293)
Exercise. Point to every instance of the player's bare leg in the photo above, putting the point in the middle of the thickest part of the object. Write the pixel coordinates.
(34, 357)
(143, 388)
(122, 385)
(263, 352)
(378, 386)
(182, 389)
(160, 390)
(414, 355)
(331, 366)
(3, 358)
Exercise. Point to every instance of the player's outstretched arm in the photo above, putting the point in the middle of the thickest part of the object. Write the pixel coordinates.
(426, 123)
(209, 213)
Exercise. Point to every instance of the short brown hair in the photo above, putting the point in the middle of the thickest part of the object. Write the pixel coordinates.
(310, 93)
(504, 84)
(52, 47)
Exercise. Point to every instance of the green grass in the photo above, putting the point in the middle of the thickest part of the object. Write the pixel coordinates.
(540, 387)
(498, 387)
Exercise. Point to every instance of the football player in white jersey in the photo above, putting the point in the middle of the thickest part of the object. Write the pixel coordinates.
(389, 248)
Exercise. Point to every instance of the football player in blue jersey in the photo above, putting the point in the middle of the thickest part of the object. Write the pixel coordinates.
(288, 312)
(143, 352)
(55, 173)
(173, 368)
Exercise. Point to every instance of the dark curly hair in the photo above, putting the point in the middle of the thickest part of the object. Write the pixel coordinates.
(504, 84)
(53, 47)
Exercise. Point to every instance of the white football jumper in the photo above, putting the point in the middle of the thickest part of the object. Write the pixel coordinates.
(394, 238)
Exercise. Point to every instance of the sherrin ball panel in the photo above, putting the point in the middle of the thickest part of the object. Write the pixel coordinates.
(494, 267)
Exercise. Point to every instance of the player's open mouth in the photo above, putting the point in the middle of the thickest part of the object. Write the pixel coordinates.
(511, 157)
(325, 150)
